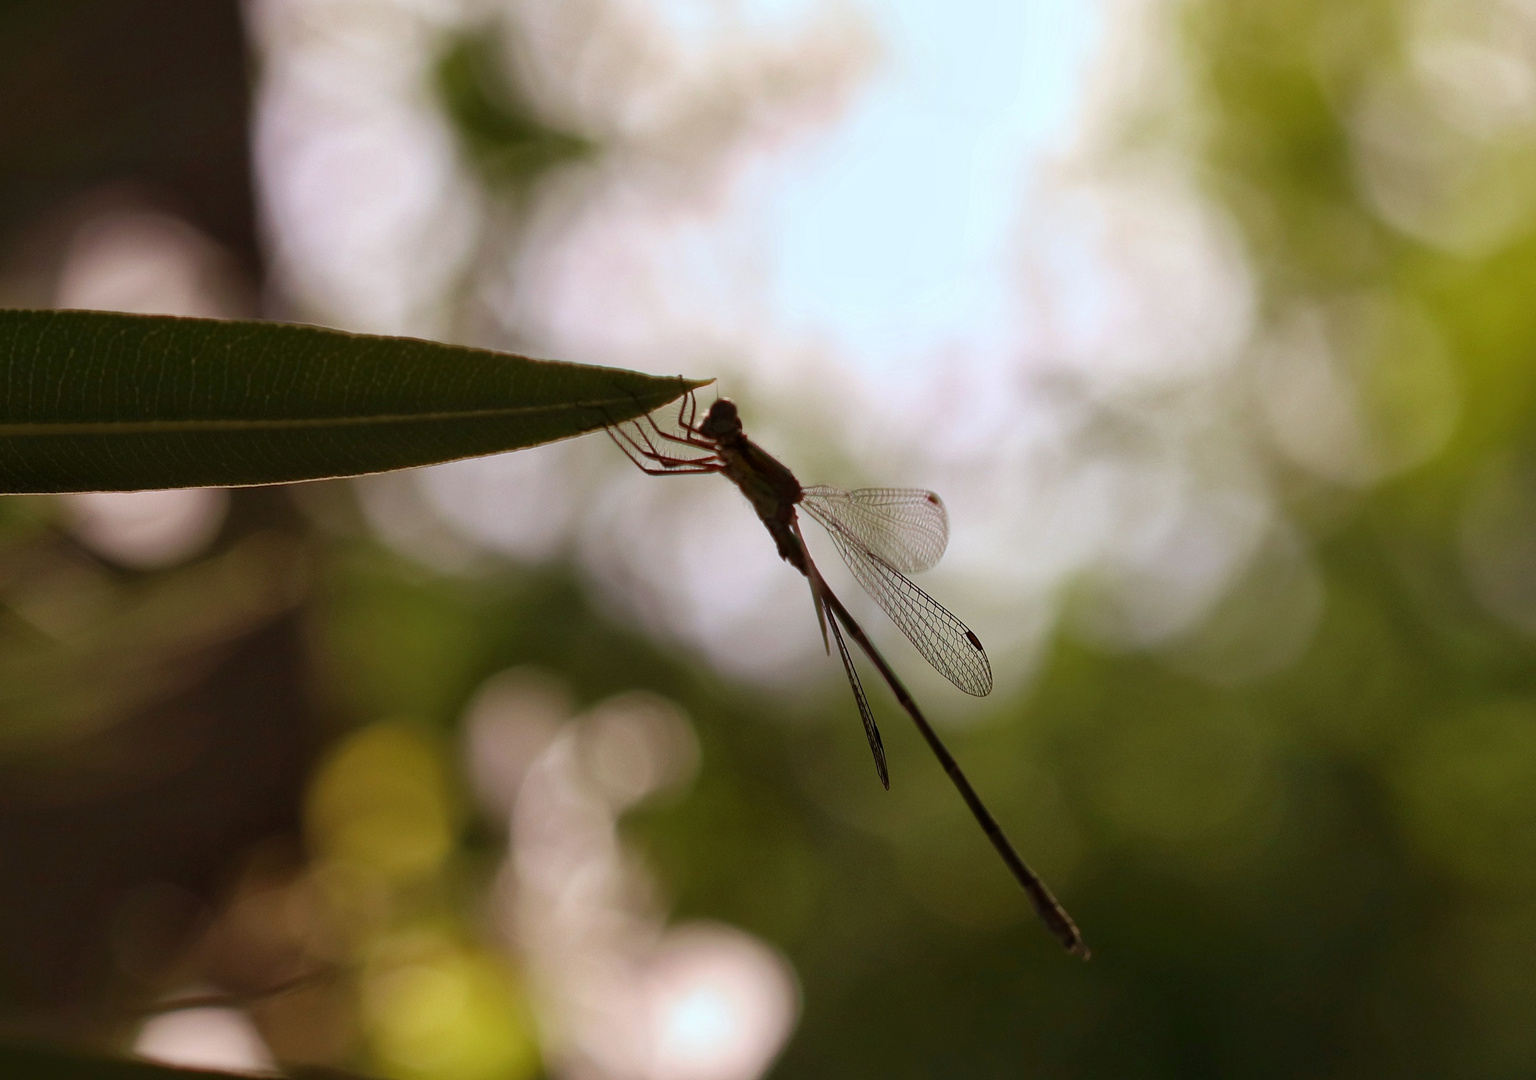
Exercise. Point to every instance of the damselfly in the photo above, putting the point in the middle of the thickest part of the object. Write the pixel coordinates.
(883, 534)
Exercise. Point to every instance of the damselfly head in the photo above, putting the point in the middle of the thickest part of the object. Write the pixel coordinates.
(722, 420)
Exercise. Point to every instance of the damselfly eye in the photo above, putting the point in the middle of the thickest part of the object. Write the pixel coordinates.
(722, 420)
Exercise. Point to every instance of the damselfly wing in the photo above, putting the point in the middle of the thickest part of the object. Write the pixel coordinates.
(884, 533)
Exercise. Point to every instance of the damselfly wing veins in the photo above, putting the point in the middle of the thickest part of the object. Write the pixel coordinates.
(883, 534)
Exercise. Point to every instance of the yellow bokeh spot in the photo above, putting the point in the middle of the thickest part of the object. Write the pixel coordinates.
(382, 801)
(445, 1013)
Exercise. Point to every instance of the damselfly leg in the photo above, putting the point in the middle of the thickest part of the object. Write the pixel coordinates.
(639, 446)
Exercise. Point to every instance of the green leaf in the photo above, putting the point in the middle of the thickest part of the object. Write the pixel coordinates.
(98, 401)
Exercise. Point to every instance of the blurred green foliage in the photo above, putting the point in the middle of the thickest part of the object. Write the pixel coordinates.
(498, 130)
(1327, 870)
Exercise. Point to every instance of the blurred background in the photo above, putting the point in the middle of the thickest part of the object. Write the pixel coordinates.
(1205, 317)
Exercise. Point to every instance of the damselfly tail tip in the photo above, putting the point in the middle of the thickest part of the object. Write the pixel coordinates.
(1056, 919)
(1070, 936)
